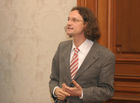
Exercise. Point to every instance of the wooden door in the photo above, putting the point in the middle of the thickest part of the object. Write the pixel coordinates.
(119, 22)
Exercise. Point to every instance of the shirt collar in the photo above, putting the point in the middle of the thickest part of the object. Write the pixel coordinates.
(86, 44)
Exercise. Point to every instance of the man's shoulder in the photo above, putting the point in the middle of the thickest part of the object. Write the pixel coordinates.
(103, 51)
(65, 43)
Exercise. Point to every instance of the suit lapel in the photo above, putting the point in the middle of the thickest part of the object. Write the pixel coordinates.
(90, 59)
(66, 57)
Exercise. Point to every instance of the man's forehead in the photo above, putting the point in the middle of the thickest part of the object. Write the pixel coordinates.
(75, 14)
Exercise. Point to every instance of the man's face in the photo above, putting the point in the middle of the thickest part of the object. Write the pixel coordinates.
(75, 24)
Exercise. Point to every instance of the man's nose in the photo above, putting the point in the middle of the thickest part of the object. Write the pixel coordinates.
(69, 22)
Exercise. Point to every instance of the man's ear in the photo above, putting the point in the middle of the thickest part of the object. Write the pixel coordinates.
(85, 24)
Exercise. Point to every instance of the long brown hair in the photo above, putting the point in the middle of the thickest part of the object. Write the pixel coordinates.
(91, 31)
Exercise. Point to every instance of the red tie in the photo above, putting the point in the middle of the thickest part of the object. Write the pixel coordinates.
(74, 63)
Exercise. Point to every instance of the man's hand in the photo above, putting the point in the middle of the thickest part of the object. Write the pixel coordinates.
(73, 91)
(61, 94)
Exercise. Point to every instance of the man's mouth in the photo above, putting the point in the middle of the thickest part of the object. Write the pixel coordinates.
(70, 28)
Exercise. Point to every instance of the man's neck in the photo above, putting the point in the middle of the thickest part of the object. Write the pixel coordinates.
(78, 41)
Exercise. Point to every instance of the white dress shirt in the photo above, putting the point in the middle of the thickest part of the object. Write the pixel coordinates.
(84, 48)
(83, 51)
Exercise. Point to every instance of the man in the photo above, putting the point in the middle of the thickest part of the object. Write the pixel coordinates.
(82, 70)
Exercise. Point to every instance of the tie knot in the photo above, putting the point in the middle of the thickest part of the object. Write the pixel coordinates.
(76, 50)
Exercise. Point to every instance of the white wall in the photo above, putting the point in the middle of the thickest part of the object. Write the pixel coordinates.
(30, 31)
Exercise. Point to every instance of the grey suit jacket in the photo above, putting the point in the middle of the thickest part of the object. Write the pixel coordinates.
(95, 76)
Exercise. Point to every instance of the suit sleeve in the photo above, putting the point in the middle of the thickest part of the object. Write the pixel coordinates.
(54, 77)
(104, 90)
